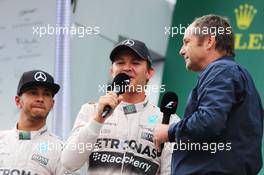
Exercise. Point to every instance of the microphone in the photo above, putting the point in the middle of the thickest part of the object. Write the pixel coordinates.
(169, 103)
(119, 86)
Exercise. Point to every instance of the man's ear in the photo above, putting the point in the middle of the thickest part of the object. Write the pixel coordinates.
(17, 100)
(210, 42)
(150, 72)
(53, 101)
(111, 71)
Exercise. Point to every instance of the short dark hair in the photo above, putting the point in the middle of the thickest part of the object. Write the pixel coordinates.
(224, 40)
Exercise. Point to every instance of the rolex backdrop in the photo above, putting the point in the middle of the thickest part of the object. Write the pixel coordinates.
(247, 21)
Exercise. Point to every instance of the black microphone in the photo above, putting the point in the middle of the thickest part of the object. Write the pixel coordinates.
(168, 106)
(119, 85)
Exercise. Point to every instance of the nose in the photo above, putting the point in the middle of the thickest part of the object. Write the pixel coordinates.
(182, 51)
(40, 98)
(127, 67)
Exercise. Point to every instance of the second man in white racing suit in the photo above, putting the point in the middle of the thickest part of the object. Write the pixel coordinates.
(122, 143)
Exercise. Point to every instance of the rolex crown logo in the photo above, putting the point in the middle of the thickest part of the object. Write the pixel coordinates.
(244, 16)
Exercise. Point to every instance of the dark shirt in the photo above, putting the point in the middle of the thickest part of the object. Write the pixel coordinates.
(221, 131)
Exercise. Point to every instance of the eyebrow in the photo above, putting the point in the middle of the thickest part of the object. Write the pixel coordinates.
(36, 88)
(185, 39)
(135, 58)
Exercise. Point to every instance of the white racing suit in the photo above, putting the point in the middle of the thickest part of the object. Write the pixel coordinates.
(122, 145)
(30, 153)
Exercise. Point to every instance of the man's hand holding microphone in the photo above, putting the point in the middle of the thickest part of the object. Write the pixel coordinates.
(111, 100)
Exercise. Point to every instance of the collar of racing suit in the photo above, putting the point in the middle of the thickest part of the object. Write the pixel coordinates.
(129, 108)
(29, 135)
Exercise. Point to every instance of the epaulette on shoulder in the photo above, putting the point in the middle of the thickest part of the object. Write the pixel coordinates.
(55, 137)
(152, 105)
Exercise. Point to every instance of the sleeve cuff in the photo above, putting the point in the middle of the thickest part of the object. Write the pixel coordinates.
(171, 132)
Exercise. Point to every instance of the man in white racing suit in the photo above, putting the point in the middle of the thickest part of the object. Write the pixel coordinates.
(122, 143)
(28, 148)
(27, 153)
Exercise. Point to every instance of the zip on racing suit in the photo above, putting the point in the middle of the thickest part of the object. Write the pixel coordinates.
(30, 153)
(122, 145)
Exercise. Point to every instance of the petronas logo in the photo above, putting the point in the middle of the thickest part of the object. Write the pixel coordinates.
(245, 15)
